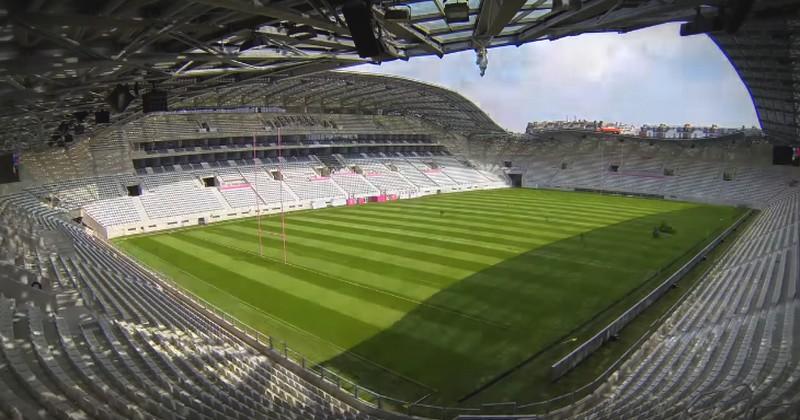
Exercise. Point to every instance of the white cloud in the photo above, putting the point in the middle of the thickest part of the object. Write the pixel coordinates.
(649, 76)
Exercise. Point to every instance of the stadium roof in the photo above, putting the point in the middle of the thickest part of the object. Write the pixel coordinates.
(348, 93)
(63, 57)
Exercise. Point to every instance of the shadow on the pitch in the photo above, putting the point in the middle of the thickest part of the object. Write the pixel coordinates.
(471, 333)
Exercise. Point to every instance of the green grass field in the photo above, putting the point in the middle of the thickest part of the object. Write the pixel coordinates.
(439, 295)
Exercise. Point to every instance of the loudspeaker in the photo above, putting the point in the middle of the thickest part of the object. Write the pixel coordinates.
(154, 101)
(134, 190)
(358, 15)
(119, 98)
(80, 115)
(782, 155)
(702, 25)
(102, 117)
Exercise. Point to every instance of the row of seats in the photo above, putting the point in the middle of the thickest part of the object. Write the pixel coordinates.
(118, 344)
(115, 343)
(729, 349)
(713, 171)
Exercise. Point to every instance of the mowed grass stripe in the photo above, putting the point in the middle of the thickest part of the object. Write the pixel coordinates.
(388, 245)
(435, 230)
(466, 246)
(518, 269)
(483, 223)
(305, 313)
(537, 211)
(416, 288)
(319, 278)
(533, 215)
(550, 230)
(333, 295)
(602, 209)
(374, 308)
(578, 199)
(294, 304)
(542, 238)
(382, 264)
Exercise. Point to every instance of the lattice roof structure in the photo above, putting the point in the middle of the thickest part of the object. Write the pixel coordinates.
(63, 57)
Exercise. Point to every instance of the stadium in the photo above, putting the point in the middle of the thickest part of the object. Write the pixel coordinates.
(205, 215)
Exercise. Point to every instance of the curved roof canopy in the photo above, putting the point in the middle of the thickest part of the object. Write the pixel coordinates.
(60, 59)
(345, 93)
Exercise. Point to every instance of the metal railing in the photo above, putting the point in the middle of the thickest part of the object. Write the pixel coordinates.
(583, 351)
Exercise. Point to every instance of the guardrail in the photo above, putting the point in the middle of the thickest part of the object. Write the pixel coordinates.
(583, 351)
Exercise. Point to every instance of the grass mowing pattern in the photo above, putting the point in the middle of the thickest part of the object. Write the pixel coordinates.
(441, 294)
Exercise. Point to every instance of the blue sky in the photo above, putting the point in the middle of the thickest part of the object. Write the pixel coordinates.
(648, 76)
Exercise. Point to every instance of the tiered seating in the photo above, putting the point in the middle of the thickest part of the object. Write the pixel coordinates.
(307, 185)
(354, 184)
(684, 171)
(236, 190)
(170, 183)
(580, 169)
(181, 193)
(74, 194)
(412, 174)
(270, 190)
(113, 211)
(731, 342)
(460, 173)
(179, 203)
(128, 348)
(176, 195)
(695, 179)
(383, 178)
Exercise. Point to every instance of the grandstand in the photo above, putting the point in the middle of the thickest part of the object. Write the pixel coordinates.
(272, 239)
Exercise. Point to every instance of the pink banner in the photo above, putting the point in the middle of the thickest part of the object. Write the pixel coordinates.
(362, 200)
(381, 198)
(351, 201)
(374, 174)
(392, 197)
(319, 178)
(234, 187)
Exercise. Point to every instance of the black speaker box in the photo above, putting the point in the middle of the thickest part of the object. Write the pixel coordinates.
(102, 117)
(358, 15)
(154, 101)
